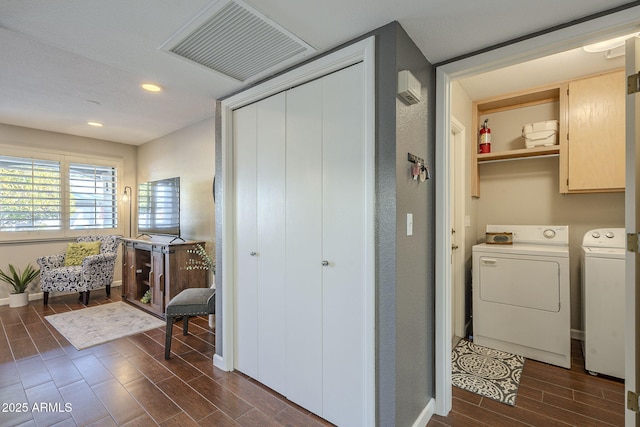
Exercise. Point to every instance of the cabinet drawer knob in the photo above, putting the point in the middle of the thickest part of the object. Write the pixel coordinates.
(253, 253)
(325, 263)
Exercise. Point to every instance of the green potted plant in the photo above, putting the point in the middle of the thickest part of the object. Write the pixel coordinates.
(19, 281)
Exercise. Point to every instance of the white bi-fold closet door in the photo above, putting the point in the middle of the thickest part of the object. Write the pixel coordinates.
(300, 244)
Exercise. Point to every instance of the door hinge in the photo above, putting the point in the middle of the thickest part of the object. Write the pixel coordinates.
(633, 83)
(632, 242)
(632, 401)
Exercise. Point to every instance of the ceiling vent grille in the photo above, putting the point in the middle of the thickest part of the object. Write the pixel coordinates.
(237, 41)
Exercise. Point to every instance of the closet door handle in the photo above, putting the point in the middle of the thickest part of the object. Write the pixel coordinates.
(253, 253)
(325, 263)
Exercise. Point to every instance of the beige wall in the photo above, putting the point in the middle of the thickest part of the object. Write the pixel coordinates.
(190, 154)
(526, 191)
(20, 254)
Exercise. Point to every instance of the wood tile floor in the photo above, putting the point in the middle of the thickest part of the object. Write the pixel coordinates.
(547, 396)
(125, 382)
(128, 382)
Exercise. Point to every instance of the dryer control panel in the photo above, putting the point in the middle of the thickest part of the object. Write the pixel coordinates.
(534, 234)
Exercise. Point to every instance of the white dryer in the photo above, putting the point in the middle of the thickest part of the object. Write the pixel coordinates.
(603, 301)
(521, 300)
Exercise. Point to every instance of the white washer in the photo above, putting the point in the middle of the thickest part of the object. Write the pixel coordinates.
(603, 305)
(521, 293)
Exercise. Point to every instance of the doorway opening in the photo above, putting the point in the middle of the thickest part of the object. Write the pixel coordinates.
(448, 75)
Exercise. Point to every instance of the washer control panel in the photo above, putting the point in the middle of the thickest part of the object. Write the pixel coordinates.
(605, 238)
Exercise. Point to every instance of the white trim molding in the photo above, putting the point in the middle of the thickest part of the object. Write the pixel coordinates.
(563, 39)
(362, 51)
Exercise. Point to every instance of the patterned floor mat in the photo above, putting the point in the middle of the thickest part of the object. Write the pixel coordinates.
(491, 373)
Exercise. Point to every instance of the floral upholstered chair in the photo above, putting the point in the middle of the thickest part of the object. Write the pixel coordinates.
(87, 265)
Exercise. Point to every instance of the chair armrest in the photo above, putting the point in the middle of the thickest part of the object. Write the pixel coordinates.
(105, 258)
(50, 262)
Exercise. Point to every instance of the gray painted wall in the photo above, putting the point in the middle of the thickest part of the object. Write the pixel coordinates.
(405, 284)
(405, 278)
(415, 277)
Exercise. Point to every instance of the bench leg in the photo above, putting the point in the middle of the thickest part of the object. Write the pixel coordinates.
(167, 342)
(45, 297)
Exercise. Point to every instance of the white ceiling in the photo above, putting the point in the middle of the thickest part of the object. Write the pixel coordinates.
(67, 62)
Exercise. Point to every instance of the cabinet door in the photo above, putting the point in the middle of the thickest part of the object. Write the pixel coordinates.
(596, 125)
(156, 280)
(260, 235)
(129, 272)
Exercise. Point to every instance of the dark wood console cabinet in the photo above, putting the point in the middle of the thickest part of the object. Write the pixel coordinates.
(158, 266)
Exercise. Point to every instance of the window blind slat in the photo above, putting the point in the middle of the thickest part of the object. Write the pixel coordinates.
(30, 197)
(93, 201)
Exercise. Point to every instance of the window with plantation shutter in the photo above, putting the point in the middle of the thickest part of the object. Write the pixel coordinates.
(54, 195)
(30, 194)
(93, 197)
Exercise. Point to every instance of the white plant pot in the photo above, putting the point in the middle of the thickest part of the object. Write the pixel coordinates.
(18, 300)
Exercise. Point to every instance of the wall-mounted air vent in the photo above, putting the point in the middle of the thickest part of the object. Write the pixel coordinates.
(234, 39)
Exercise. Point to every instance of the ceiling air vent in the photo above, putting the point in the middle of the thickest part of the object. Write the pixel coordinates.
(234, 39)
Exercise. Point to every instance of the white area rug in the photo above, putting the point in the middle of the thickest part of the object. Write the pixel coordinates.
(491, 373)
(96, 325)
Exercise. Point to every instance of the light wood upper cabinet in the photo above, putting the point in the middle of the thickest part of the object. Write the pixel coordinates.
(591, 145)
(595, 155)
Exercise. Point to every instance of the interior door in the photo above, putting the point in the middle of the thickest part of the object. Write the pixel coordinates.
(304, 255)
(245, 233)
(259, 156)
(632, 219)
(456, 201)
(344, 242)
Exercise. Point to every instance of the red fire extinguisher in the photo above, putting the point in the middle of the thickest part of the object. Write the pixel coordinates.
(484, 142)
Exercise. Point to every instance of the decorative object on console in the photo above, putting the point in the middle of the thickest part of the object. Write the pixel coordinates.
(95, 271)
(19, 281)
(204, 262)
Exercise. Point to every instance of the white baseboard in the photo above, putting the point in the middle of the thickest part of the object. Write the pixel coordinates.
(219, 363)
(33, 296)
(577, 334)
(426, 414)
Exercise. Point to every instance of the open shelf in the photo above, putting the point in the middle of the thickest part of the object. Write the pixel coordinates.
(519, 154)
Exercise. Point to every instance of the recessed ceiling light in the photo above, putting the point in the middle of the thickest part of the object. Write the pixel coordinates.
(96, 124)
(150, 87)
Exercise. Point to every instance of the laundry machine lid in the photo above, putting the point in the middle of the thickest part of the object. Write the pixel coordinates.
(595, 252)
